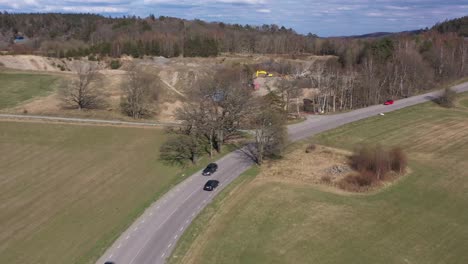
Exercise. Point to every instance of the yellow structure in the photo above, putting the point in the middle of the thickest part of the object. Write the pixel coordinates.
(265, 73)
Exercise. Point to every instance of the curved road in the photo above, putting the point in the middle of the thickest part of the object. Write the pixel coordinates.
(153, 236)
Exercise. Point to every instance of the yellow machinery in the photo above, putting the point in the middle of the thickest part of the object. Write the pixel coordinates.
(264, 73)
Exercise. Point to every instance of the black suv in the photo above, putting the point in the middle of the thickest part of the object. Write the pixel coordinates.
(210, 185)
(210, 169)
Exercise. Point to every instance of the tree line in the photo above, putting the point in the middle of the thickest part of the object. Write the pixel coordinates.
(367, 72)
(70, 35)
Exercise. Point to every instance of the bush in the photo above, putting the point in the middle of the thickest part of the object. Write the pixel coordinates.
(373, 164)
(326, 179)
(399, 160)
(115, 64)
(447, 98)
(357, 182)
(310, 148)
(373, 159)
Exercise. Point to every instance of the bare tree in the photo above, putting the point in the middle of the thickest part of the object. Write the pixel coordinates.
(218, 106)
(83, 92)
(178, 150)
(270, 133)
(139, 93)
(447, 98)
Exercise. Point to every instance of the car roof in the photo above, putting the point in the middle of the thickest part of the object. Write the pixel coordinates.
(212, 164)
(212, 181)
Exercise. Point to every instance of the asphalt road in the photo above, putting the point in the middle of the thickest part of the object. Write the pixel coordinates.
(153, 236)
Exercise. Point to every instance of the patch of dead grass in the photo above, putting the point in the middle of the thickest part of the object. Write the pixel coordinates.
(323, 168)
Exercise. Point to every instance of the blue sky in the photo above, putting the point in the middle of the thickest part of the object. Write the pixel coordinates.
(325, 18)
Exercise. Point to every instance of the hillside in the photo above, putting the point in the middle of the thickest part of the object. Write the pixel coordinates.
(81, 34)
(458, 25)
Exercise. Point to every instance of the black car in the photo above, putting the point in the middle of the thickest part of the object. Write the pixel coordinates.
(210, 185)
(210, 169)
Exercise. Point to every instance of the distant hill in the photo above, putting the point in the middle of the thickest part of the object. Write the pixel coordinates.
(384, 34)
(457, 25)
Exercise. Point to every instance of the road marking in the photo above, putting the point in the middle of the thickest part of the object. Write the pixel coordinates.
(164, 254)
(168, 246)
(193, 214)
(127, 237)
(157, 207)
(151, 213)
(175, 237)
(187, 221)
(165, 220)
(182, 228)
(142, 221)
(199, 207)
(135, 229)
(119, 245)
(111, 256)
(204, 201)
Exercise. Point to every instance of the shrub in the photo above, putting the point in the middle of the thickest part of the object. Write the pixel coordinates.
(310, 148)
(373, 164)
(357, 182)
(373, 159)
(399, 160)
(115, 64)
(326, 179)
(447, 98)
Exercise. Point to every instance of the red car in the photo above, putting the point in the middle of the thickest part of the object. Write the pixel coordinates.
(389, 102)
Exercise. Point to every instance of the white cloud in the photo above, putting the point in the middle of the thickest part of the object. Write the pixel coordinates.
(93, 9)
(397, 7)
(264, 10)
(201, 2)
(19, 3)
(375, 14)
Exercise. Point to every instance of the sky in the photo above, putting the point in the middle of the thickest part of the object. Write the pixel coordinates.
(324, 18)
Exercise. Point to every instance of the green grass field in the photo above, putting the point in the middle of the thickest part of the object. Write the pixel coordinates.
(464, 102)
(68, 191)
(16, 87)
(422, 218)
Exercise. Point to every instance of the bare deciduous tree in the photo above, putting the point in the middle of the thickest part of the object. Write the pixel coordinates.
(180, 149)
(270, 130)
(84, 91)
(218, 106)
(140, 92)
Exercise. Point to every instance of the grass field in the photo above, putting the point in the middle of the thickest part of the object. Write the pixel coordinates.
(463, 101)
(16, 87)
(68, 191)
(422, 218)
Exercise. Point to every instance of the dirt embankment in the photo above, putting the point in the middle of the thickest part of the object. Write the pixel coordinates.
(177, 74)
